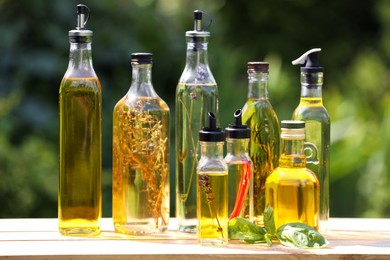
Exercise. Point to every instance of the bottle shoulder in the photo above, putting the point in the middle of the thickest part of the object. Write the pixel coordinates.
(214, 164)
(129, 102)
(294, 174)
(200, 74)
(316, 113)
(80, 84)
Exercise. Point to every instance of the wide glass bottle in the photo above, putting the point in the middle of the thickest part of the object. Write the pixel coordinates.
(260, 117)
(140, 174)
(212, 188)
(240, 169)
(312, 111)
(292, 190)
(80, 166)
(196, 95)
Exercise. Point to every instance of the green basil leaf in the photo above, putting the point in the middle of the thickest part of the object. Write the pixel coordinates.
(269, 222)
(240, 228)
(300, 235)
(268, 238)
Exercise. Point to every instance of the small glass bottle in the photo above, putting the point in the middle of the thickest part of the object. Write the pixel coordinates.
(260, 117)
(240, 169)
(312, 111)
(196, 95)
(212, 188)
(140, 184)
(292, 190)
(80, 166)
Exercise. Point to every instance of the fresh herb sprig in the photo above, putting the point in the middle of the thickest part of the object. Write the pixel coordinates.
(294, 234)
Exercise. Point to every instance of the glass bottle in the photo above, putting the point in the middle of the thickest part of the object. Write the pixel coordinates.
(261, 118)
(212, 188)
(196, 95)
(240, 169)
(140, 184)
(80, 166)
(292, 190)
(312, 111)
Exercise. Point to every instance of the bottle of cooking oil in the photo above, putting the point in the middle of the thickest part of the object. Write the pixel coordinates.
(212, 188)
(261, 118)
(80, 167)
(140, 174)
(240, 169)
(196, 95)
(312, 111)
(292, 190)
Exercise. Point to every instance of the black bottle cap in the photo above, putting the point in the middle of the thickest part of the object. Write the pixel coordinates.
(81, 34)
(292, 124)
(141, 58)
(237, 130)
(212, 133)
(258, 66)
(198, 31)
(309, 61)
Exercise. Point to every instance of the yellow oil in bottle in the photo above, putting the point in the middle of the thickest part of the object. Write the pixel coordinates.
(292, 191)
(140, 166)
(79, 207)
(212, 208)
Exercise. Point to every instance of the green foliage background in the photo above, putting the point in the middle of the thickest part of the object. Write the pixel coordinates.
(354, 37)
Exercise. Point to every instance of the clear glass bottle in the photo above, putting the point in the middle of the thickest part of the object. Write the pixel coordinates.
(196, 95)
(292, 190)
(212, 188)
(240, 169)
(312, 111)
(80, 166)
(260, 117)
(140, 184)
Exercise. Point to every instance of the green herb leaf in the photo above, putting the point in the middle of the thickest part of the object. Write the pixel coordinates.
(300, 235)
(240, 228)
(268, 238)
(269, 222)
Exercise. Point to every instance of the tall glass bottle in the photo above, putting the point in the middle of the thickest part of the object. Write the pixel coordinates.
(261, 118)
(140, 184)
(196, 95)
(240, 169)
(312, 111)
(292, 190)
(212, 188)
(80, 167)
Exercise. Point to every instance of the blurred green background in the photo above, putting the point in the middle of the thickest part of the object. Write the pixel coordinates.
(355, 41)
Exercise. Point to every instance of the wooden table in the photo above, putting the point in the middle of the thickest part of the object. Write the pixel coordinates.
(39, 239)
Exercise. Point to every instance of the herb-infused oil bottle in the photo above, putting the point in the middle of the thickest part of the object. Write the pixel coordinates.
(312, 111)
(140, 184)
(292, 190)
(240, 169)
(80, 167)
(196, 95)
(212, 188)
(260, 117)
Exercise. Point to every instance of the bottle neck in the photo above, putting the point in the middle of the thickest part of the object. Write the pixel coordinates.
(80, 60)
(258, 85)
(237, 147)
(141, 83)
(311, 85)
(292, 154)
(212, 149)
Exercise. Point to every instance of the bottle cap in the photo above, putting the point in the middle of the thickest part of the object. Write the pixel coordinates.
(292, 129)
(211, 133)
(81, 34)
(237, 130)
(141, 58)
(309, 61)
(198, 30)
(258, 66)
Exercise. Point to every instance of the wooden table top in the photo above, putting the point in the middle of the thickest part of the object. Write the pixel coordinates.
(40, 239)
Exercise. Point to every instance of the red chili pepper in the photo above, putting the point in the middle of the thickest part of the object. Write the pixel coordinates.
(242, 189)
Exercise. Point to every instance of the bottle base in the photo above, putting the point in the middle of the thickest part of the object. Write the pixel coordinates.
(217, 242)
(138, 230)
(79, 231)
(187, 229)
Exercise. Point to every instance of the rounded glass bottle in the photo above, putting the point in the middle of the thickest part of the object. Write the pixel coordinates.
(140, 155)
(196, 95)
(292, 190)
(212, 188)
(260, 117)
(80, 151)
